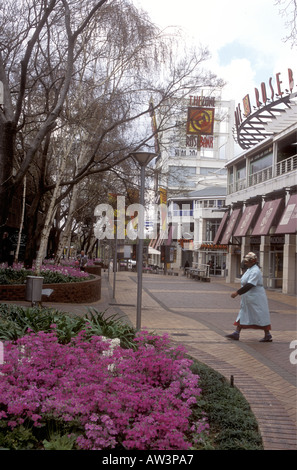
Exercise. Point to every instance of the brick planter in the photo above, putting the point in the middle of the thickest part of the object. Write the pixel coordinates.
(71, 292)
(93, 270)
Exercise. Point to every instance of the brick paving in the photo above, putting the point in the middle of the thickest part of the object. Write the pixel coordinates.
(199, 315)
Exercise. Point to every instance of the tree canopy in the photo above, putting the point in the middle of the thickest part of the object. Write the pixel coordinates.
(78, 79)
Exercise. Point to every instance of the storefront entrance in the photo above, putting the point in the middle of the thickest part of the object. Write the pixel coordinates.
(275, 280)
(217, 263)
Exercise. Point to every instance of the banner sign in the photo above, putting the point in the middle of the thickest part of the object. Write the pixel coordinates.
(200, 121)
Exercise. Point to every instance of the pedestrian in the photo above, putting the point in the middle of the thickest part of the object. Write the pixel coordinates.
(254, 312)
(83, 260)
(186, 267)
(7, 253)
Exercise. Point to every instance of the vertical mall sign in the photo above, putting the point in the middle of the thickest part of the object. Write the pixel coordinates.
(200, 122)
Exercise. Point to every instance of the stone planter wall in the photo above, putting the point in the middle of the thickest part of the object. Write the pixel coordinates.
(70, 292)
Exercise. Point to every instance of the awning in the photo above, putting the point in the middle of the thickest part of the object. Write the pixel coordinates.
(246, 220)
(152, 251)
(288, 223)
(230, 226)
(221, 228)
(266, 217)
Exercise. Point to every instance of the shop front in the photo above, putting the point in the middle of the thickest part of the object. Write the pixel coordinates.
(276, 256)
(215, 257)
(270, 255)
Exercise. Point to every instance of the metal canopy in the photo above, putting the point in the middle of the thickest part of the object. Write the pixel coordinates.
(271, 118)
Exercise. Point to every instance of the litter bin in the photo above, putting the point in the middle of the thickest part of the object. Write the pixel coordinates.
(34, 288)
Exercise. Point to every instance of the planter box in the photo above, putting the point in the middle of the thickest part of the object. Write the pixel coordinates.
(93, 270)
(71, 292)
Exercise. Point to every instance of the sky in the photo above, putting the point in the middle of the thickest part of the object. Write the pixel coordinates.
(245, 39)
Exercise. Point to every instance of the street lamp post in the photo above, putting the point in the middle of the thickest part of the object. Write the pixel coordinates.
(143, 158)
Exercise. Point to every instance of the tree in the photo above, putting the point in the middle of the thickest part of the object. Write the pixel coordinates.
(289, 11)
(86, 75)
(37, 53)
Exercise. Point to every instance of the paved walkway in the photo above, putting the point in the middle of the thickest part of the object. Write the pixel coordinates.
(199, 315)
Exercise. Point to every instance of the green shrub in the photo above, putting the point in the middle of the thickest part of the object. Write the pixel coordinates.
(19, 438)
(58, 442)
(232, 423)
(16, 320)
(111, 327)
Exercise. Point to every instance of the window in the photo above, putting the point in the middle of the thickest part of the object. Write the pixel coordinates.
(212, 171)
(260, 163)
(212, 227)
(181, 176)
(240, 171)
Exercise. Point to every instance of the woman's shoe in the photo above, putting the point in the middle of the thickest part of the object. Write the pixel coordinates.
(266, 339)
(234, 336)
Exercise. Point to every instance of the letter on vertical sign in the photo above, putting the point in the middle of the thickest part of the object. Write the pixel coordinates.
(271, 88)
(263, 90)
(257, 97)
(278, 82)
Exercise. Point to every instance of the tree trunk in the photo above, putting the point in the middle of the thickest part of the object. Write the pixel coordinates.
(16, 256)
(65, 235)
(32, 229)
(7, 138)
(52, 209)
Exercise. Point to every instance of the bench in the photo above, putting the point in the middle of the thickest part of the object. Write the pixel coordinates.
(170, 272)
(200, 273)
(157, 270)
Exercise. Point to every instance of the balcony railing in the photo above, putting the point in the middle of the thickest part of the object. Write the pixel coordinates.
(181, 213)
(285, 166)
(240, 184)
(260, 176)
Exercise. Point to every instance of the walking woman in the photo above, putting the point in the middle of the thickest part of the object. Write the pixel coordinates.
(254, 311)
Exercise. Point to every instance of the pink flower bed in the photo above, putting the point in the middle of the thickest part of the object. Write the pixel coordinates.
(133, 399)
(66, 269)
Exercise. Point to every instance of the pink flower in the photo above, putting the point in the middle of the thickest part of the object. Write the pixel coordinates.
(144, 400)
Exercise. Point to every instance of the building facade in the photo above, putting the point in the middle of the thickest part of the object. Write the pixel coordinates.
(192, 176)
(197, 145)
(261, 200)
(196, 219)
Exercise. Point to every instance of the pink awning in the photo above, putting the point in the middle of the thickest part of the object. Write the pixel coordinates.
(288, 223)
(230, 226)
(246, 220)
(266, 217)
(221, 228)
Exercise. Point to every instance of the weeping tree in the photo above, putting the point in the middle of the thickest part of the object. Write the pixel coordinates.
(78, 78)
(40, 42)
(288, 9)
